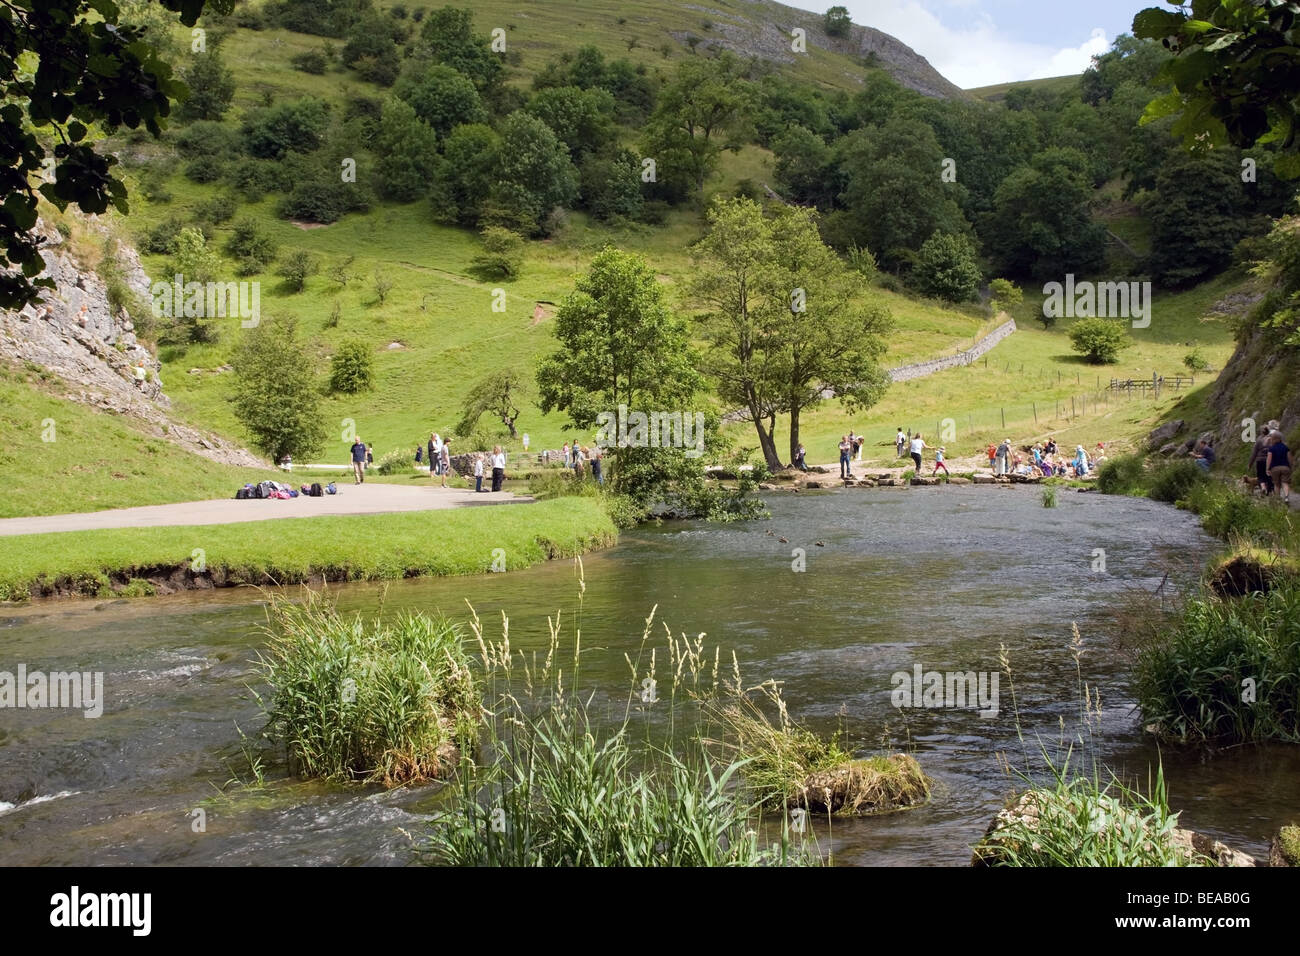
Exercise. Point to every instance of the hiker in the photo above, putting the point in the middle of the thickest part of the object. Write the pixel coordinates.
(1205, 457)
(498, 467)
(1259, 459)
(597, 471)
(1279, 465)
(1001, 457)
(846, 451)
(918, 445)
(799, 458)
(359, 461)
(445, 462)
(478, 472)
(938, 462)
(899, 441)
(568, 456)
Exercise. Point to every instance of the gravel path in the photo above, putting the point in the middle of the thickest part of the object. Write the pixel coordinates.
(352, 499)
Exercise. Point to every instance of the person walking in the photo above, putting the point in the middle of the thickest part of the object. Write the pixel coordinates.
(445, 461)
(568, 456)
(938, 462)
(899, 441)
(918, 445)
(1259, 459)
(1280, 465)
(435, 456)
(846, 452)
(358, 461)
(478, 472)
(992, 452)
(597, 470)
(498, 467)
(370, 455)
(429, 457)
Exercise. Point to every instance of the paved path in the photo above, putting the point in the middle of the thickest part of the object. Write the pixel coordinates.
(352, 499)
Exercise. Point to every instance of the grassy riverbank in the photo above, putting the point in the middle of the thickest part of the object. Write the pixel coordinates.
(144, 561)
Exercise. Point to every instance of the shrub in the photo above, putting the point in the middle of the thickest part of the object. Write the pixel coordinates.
(249, 245)
(351, 368)
(1196, 361)
(1122, 475)
(253, 178)
(212, 87)
(1099, 340)
(161, 239)
(502, 254)
(1173, 481)
(369, 701)
(310, 61)
(218, 210)
(397, 462)
(297, 267)
(946, 268)
(290, 127)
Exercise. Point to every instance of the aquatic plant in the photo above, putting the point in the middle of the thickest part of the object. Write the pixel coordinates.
(374, 701)
(1049, 497)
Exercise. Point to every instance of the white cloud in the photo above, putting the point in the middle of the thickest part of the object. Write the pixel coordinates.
(978, 54)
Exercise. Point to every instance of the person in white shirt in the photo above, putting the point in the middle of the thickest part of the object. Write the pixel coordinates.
(437, 454)
(900, 440)
(478, 472)
(498, 467)
(918, 445)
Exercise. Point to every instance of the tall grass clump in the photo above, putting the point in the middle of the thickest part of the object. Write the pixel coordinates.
(788, 766)
(1174, 481)
(375, 701)
(1049, 497)
(1122, 475)
(554, 787)
(1226, 670)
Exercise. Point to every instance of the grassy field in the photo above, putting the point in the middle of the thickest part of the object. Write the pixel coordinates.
(1051, 84)
(352, 548)
(92, 460)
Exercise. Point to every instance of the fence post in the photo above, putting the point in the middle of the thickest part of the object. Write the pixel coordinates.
(1004, 419)
(1035, 404)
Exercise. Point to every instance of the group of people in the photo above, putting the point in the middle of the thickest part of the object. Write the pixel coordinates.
(850, 451)
(1044, 460)
(437, 453)
(578, 457)
(1272, 461)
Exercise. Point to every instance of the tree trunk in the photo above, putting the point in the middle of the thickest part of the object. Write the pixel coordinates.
(794, 432)
(765, 441)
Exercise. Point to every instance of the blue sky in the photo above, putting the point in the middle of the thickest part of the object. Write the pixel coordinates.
(981, 42)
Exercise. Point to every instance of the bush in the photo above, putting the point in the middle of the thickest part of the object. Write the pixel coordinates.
(946, 268)
(299, 126)
(399, 462)
(1174, 481)
(206, 169)
(1122, 475)
(297, 267)
(366, 701)
(212, 87)
(1196, 361)
(351, 368)
(253, 178)
(218, 210)
(249, 245)
(161, 239)
(1099, 340)
(502, 255)
(310, 61)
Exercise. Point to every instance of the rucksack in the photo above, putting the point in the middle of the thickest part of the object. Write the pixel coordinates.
(241, 494)
(330, 489)
(316, 491)
(266, 489)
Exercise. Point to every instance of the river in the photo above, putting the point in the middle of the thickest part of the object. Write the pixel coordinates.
(903, 577)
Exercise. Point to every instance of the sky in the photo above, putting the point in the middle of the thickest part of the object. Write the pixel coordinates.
(982, 42)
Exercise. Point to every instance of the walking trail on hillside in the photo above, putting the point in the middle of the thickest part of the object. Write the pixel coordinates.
(352, 499)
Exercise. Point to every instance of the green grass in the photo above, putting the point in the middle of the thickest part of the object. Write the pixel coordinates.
(291, 550)
(1052, 84)
(96, 460)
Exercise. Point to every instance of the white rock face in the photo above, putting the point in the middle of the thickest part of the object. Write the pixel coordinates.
(75, 334)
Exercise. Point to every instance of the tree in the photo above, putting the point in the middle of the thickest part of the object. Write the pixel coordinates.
(502, 255)
(467, 173)
(611, 185)
(619, 344)
(1005, 295)
(248, 245)
(275, 396)
(499, 394)
(64, 65)
(784, 322)
(699, 114)
(946, 268)
(1099, 340)
(442, 97)
(805, 169)
(533, 172)
(299, 126)
(1196, 216)
(447, 36)
(212, 87)
(1040, 225)
(837, 23)
(351, 368)
(1233, 74)
(582, 119)
(382, 284)
(407, 149)
(297, 266)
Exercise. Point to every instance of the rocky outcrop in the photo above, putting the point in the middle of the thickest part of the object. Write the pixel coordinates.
(77, 334)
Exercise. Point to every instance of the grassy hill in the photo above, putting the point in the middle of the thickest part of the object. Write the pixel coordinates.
(1052, 84)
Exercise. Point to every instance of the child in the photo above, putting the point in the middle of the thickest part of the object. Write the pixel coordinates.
(445, 461)
(478, 472)
(938, 462)
(992, 451)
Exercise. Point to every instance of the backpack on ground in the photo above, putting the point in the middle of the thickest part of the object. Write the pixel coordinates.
(316, 490)
(241, 494)
(331, 489)
(266, 489)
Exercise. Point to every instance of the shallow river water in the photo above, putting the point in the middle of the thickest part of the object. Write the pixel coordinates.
(933, 577)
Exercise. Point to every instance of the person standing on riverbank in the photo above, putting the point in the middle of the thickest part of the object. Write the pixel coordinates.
(568, 459)
(918, 446)
(358, 461)
(478, 472)
(938, 462)
(899, 441)
(1279, 465)
(445, 462)
(429, 456)
(846, 450)
(498, 467)
(1002, 457)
